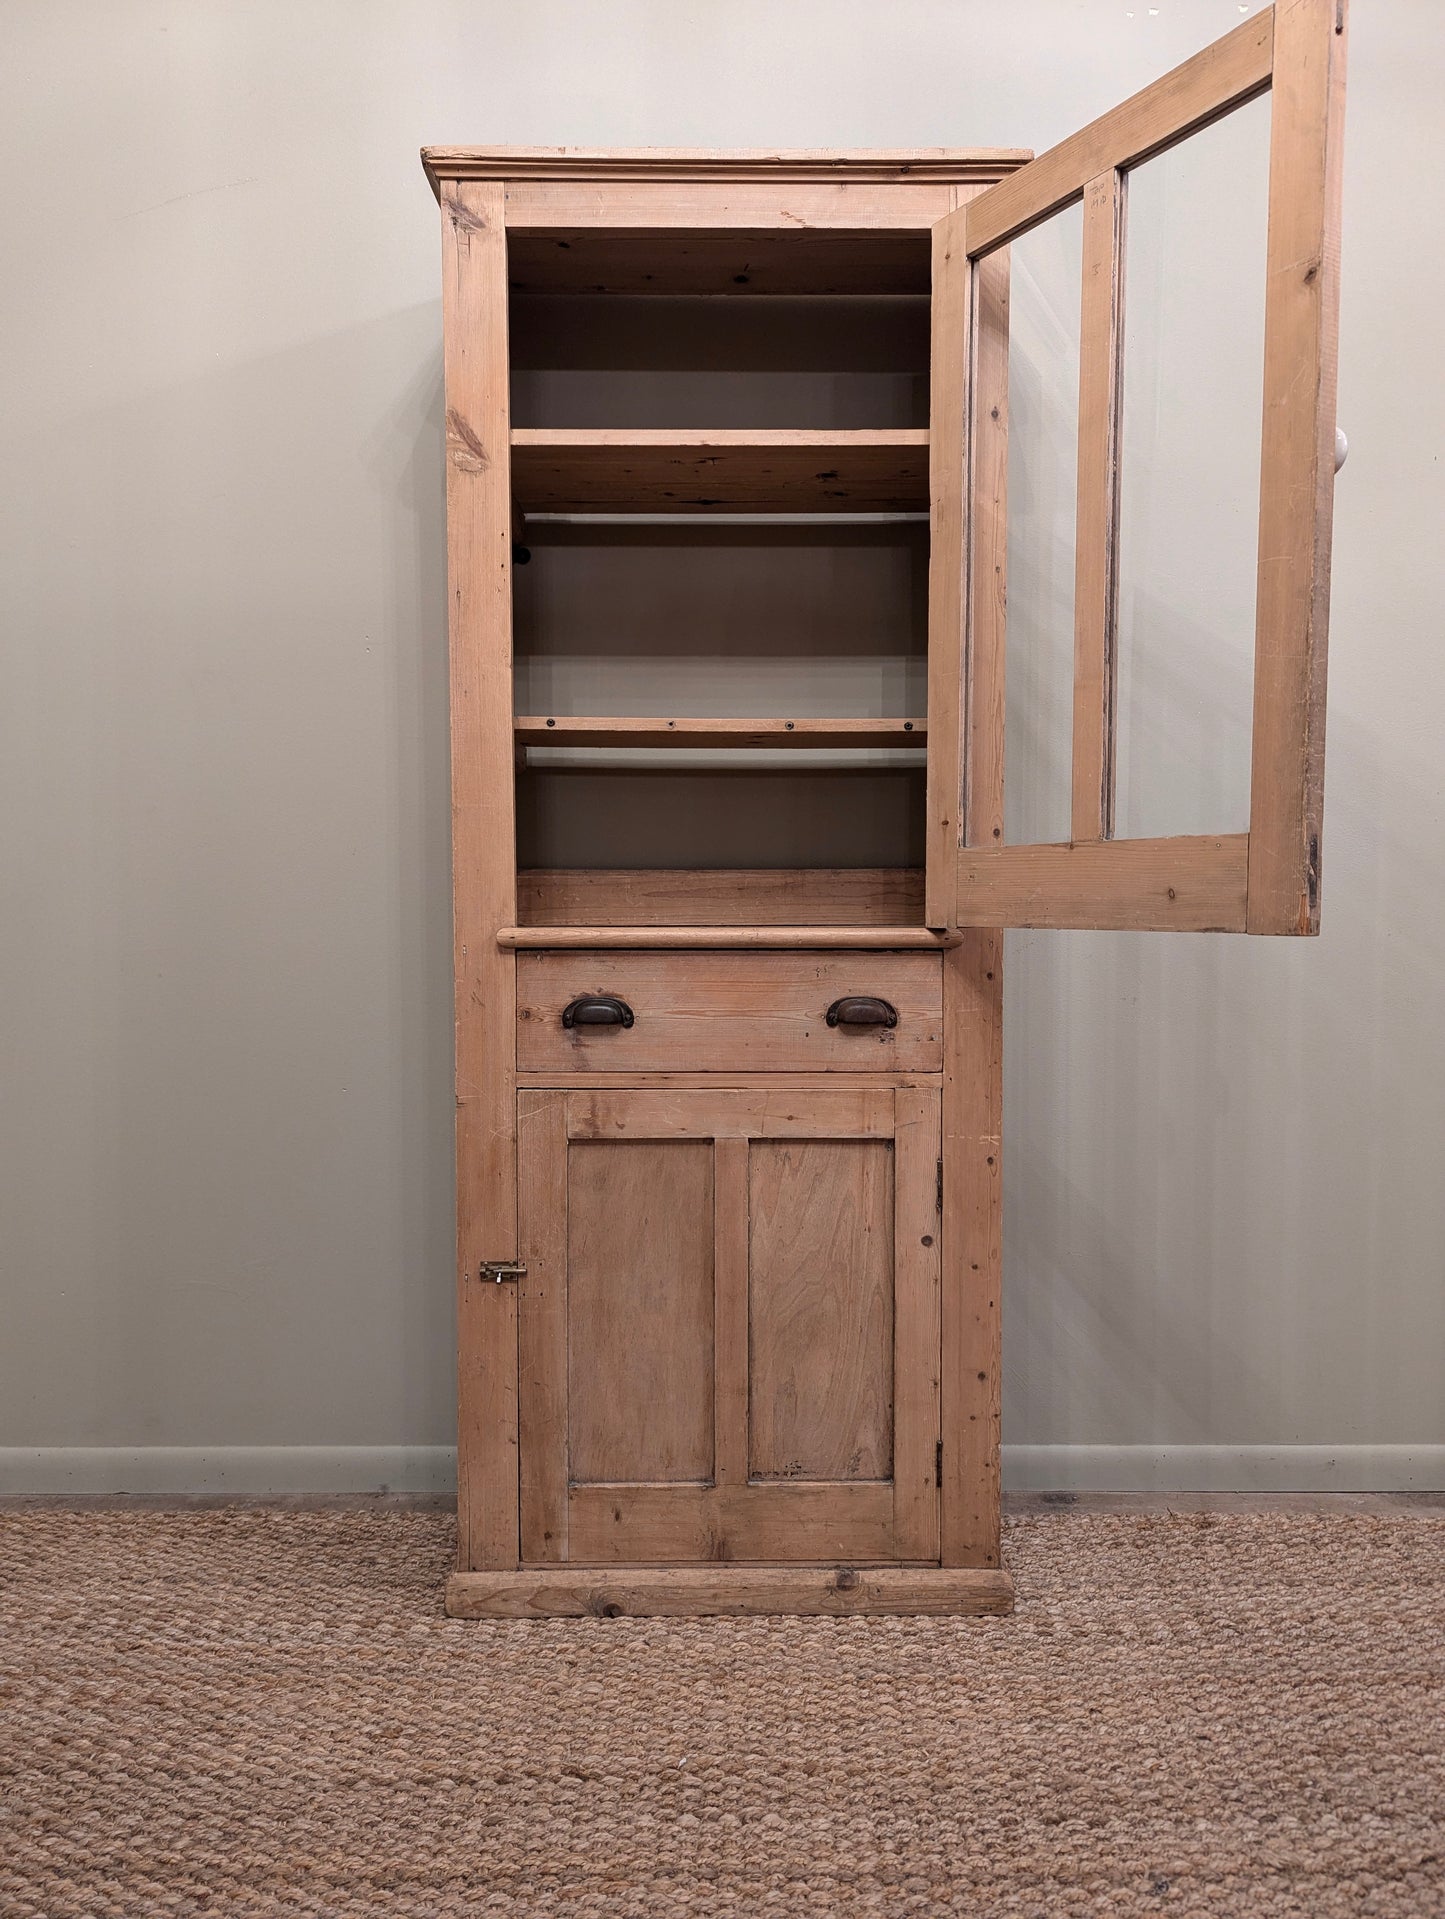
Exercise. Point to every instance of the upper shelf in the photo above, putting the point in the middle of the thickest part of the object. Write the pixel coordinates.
(605, 469)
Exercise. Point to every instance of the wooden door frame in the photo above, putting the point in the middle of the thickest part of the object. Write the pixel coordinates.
(891, 1521)
(1265, 880)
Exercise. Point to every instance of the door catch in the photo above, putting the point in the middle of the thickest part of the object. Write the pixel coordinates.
(500, 1269)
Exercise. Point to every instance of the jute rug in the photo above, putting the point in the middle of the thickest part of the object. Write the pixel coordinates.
(239, 1713)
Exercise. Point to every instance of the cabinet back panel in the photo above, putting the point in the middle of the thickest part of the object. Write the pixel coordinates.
(731, 621)
(820, 1293)
(681, 818)
(622, 361)
(640, 1310)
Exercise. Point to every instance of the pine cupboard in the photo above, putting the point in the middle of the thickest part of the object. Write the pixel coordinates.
(726, 445)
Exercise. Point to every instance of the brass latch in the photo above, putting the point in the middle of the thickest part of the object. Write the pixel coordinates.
(500, 1269)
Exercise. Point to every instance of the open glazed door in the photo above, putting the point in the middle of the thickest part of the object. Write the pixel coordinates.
(1265, 880)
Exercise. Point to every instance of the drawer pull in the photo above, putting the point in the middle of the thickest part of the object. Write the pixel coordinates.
(862, 1010)
(599, 1010)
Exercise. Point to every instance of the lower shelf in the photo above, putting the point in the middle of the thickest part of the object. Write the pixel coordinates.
(602, 1592)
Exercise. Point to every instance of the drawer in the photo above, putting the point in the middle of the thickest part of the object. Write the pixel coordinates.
(694, 1012)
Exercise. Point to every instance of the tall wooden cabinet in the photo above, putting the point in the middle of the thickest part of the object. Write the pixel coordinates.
(726, 458)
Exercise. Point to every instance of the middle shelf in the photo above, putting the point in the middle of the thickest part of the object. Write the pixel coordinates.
(607, 469)
(535, 729)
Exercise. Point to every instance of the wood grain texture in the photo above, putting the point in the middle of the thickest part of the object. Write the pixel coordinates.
(809, 1111)
(1231, 70)
(487, 1461)
(702, 1591)
(541, 729)
(755, 897)
(722, 205)
(972, 1250)
(1297, 473)
(607, 469)
(1096, 540)
(730, 1312)
(987, 535)
(541, 1296)
(820, 1292)
(917, 1278)
(729, 1012)
(778, 1520)
(479, 549)
(880, 939)
(1192, 884)
(639, 1312)
(947, 457)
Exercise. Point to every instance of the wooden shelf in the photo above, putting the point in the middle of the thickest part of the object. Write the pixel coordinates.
(540, 730)
(883, 939)
(721, 896)
(605, 468)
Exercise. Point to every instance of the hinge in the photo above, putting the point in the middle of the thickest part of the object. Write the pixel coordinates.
(938, 1195)
(500, 1269)
(938, 1462)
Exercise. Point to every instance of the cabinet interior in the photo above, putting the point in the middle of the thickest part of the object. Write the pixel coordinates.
(777, 577)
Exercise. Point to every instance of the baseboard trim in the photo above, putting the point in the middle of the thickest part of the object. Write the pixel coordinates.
(155, 1471)
(150, 1471)
(1209, 1469)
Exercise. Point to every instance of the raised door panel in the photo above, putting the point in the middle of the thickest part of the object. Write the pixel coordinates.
(640, 1309)
(820, 1308)
(729, 1326)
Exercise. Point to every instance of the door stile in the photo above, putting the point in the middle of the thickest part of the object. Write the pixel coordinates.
(986, 540)
(949, 346)
(971, 1369)
(542, 1328)
(730, 1310)
(1297, 467)
(1096, 543)
(917, 1270)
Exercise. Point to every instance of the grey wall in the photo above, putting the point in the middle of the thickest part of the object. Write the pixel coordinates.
(224, 956)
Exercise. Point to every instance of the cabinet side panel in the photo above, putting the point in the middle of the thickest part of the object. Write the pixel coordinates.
(640, 1310)
(820, 1291)
(972, 1247)
(479, 599)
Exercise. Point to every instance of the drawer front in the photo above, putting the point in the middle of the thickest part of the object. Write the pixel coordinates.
(729, 1012)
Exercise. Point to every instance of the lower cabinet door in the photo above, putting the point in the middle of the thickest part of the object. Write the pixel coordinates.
(729, 1325)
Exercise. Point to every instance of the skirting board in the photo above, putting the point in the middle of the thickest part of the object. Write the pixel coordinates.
(1224, 1469)
(155, 1471)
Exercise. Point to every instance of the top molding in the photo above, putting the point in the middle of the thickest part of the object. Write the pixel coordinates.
(720, 164)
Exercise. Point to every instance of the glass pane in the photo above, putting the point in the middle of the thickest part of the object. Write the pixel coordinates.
(1189, 480)
(1045, 271)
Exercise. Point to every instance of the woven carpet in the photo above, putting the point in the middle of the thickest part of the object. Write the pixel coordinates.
(247, 1712)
